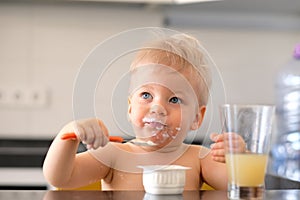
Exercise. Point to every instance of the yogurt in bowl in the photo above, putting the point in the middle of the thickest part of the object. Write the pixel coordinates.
(164, 179)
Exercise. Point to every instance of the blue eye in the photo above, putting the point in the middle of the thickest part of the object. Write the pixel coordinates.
(175, 100)
(146, 95)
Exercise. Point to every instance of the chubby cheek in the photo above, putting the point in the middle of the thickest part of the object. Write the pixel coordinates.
(175, 119)
(178, 122)
(188, 118)
(136, 115)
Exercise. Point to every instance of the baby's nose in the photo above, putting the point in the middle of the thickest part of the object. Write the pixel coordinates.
(158, 109)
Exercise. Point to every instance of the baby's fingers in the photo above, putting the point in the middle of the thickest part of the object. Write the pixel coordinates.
(219, 159)
(218, 145)
(218, 155)
(90, 136)
(235, 143)
(213, 136)
(100, 139)
(219, 152)
(80, 133)
(217, 137)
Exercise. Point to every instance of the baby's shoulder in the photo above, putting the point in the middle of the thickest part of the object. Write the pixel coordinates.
(198, 150)
(194, 147)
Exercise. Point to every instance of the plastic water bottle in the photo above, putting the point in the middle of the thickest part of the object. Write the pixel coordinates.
(286, 151)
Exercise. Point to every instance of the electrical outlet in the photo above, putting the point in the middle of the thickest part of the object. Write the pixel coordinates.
(23, 97)
(3, 96)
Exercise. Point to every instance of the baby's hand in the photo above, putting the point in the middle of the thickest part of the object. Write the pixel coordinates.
(219, 147)
(91, 132)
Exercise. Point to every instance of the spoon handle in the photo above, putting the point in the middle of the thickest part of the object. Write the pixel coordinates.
(73, 136)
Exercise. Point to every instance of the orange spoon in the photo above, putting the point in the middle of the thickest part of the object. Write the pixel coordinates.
(72, 136)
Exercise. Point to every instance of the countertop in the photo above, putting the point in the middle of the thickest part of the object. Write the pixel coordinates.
(136, 195)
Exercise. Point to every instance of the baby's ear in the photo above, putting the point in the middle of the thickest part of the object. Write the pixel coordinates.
(129, 108)
(198, 118)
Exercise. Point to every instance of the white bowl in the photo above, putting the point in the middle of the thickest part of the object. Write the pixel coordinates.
(149, 196)
(164, 179)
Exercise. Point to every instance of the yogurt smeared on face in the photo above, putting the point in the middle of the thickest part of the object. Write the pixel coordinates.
(154, 123)
(160, 129)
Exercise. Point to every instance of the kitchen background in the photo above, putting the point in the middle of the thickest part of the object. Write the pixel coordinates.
(44, 43)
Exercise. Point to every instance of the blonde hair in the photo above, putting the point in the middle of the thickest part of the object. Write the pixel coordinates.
(182, 52)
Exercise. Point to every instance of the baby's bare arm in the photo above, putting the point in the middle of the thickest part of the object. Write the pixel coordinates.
(214, 173)
(64, 168)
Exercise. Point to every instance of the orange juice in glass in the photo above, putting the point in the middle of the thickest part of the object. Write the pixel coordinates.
(247, 170)
(247, 136)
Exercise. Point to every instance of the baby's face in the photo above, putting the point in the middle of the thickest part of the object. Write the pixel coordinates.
(163, 106)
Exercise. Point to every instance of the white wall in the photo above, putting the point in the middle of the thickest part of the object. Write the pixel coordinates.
(45, 44)
(248, 61)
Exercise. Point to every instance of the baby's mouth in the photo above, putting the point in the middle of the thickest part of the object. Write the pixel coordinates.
(159, 131)
(154, 123)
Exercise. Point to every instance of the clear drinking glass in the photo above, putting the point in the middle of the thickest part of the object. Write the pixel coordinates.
(247, 137)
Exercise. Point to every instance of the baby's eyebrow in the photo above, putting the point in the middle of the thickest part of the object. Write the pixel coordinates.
(180, 93)
(147, 86)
